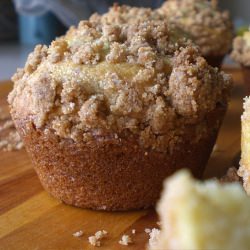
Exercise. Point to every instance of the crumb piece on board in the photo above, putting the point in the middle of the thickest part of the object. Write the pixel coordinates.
(133, 231)
(231, 176)
(154, 236)
(125, 240)
(78, 233)
(95, 240)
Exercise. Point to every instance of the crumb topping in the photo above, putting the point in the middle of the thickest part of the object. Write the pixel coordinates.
(114, 78)
(241, 49)
(203, 22)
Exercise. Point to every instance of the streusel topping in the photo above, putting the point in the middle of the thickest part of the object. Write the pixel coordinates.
(241, 49)
(105, 79)
(201, 21)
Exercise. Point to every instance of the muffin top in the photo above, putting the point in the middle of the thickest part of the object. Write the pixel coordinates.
(124, 14)
(105, 80)
(241, 49)
(201, 21)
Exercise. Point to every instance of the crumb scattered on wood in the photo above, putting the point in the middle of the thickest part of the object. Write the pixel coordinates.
(125, 240)
(78, 233)
(231, 176)
(154, 236)
(95, 240)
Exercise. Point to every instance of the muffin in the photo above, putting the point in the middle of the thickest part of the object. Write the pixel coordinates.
(244, 170)
(107, 111)
(202, 21)
(241, 54)
(207, 215)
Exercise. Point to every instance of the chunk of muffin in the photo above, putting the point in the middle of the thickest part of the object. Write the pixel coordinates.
(244, 170)
(109, 110)
(209, 215)
(204, 23)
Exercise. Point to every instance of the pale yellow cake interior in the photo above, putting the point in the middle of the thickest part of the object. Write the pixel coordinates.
(245, 145)
(207, 215)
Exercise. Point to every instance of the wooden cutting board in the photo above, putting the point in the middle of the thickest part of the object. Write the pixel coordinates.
(31, 219)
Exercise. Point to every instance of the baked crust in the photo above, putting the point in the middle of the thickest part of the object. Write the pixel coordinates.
(108, 173)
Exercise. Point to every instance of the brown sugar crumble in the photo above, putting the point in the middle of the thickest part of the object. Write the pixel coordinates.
(107, 78)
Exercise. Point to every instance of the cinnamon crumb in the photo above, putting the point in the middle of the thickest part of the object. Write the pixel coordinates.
(95, 240)
(154, 236)
(231, 176)
(78, 233)
(125, 240)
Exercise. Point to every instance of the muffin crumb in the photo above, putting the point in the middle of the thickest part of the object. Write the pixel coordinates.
(231, 176)
(154, 237)
(78, 233)
(125, 240)
(95, 240)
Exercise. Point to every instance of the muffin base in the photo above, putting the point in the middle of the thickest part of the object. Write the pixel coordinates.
(215, 61)
(111, 174)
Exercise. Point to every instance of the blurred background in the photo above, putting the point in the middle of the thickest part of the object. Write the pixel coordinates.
(25, 23)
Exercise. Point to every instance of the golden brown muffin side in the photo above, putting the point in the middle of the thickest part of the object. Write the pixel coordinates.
(112, 173)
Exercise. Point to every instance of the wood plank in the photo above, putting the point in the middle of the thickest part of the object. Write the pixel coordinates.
(31, 219)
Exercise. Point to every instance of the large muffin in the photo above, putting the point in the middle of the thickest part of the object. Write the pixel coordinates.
(203, 22)
(108, 111)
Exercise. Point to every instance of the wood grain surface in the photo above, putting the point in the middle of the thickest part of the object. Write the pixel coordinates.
(31, 219)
